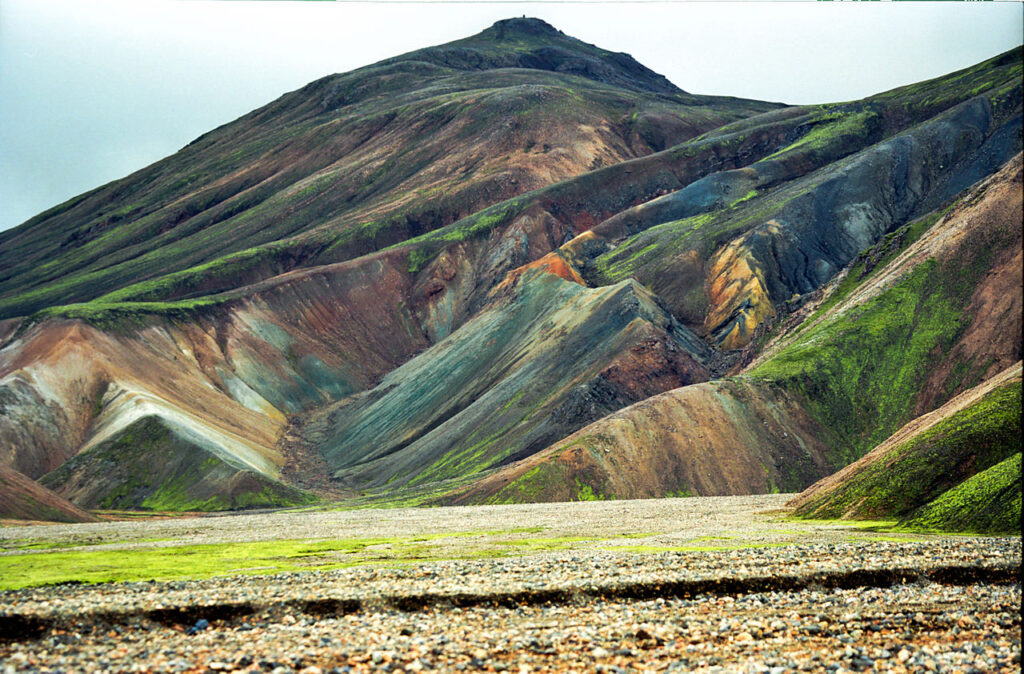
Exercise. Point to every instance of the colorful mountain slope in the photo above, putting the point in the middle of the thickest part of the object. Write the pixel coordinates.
(220, 378)
(157, 464)
(711, 439)
(784, 225)
(860, 364)
(25, 499)
(422, 273)
(944, 315)
(355, 162)
(545, 357)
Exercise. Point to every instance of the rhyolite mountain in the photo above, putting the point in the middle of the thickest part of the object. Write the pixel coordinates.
(518, 267)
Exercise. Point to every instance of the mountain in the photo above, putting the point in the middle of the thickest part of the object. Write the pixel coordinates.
(353, 163)
(928, 312)
(515, 267)
(25, 499)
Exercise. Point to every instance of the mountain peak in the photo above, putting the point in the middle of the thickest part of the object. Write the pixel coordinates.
(534, 44)
(521, 27)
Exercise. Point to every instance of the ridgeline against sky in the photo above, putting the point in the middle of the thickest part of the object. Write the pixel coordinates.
(91, 93)
(519, 267)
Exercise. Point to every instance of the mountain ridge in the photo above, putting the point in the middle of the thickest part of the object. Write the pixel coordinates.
(276, 182)
(463, 273)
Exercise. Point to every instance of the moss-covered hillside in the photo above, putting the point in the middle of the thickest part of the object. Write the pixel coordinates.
(958, 473)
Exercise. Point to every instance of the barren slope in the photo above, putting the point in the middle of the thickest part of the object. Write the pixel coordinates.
(546, 356)
(26, 499)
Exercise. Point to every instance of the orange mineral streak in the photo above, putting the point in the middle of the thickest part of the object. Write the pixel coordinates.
(738, 294)
(552, 263)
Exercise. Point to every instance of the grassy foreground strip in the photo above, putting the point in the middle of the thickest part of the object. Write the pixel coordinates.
(192, 562)
(168, 563)
(255, 545)
(261, 558)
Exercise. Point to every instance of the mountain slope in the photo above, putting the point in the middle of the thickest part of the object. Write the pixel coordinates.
(988, 502)
(157, 464)
(856, 368)
(927, 459)
(711, 439)
(421, 274)
(26, 499)
(355, 162)
(545, 357)
(944, 315)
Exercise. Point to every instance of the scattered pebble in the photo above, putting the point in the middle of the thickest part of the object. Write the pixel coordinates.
(551, 612)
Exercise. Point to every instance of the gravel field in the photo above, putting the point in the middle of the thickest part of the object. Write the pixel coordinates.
(754, 594)
(676, 520)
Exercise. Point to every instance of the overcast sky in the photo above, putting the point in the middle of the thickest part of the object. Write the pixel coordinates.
(93, 90)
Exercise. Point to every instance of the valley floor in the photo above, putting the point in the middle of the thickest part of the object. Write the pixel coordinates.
(719, 584)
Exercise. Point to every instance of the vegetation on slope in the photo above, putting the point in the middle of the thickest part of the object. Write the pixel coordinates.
(353, 163)
(716, 438)
(987, 503)
(928, 466)
(501, 386)
(150, 466)
(854, 371)
(860, 372)
(400, 172)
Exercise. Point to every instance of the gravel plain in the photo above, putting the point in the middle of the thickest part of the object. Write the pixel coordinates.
(716, 584)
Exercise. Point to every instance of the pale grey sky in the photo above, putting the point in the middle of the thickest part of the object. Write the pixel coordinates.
(91, 90)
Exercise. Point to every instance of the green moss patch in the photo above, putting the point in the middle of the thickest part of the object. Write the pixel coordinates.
(268, 557)
(873, 259)
(166, 563)
(122, 316)
(859, 373)
(833, 127)
(989, 503)
(922, 469)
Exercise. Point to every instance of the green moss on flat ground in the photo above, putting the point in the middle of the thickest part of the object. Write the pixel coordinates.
(925, 467)
(165, 563)
(989, 503)
(60, 545)
(269, 557)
